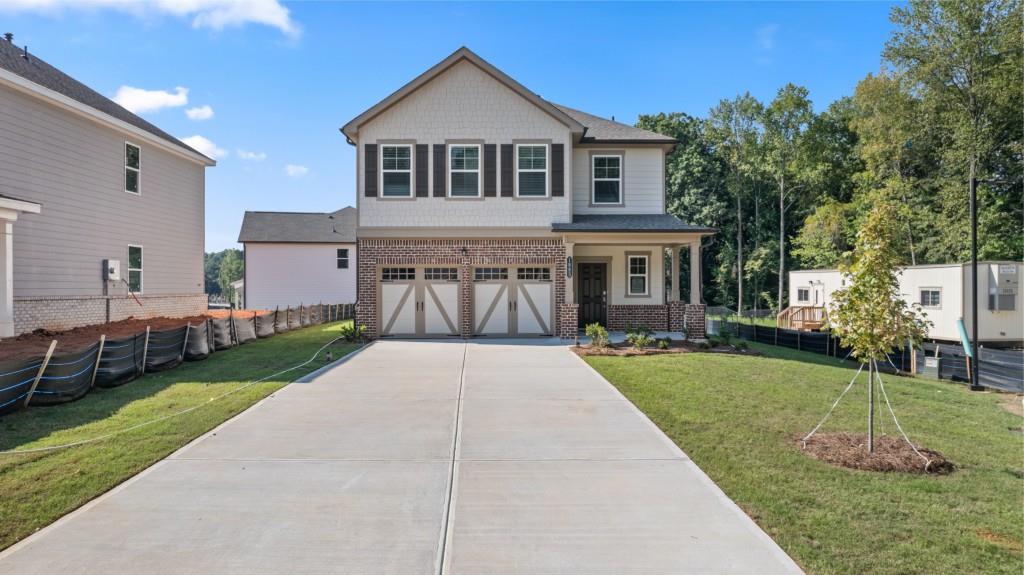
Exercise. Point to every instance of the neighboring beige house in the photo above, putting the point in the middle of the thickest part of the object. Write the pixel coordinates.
(944, 293)
(486, 210)
(95, 203)
(296, 258)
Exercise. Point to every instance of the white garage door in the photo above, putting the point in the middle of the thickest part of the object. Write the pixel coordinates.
(512, 301)
(419, 301)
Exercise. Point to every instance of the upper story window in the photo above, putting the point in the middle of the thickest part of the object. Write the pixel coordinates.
(931, 297)
(135, 269)
(343, 258)
(637, 271)
(607, 180)
(132, 167)
(532, 170)
(396, 171)
(464, 171)
(803, 294)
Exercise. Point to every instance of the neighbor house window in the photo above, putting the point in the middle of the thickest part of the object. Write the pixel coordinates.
(464, 171)
(396, 171)
(637, 270)
(343, 259)
(607, 179)
(135, 269)
(803, 295)
(532, 170)
(132, 167)
(931, 297)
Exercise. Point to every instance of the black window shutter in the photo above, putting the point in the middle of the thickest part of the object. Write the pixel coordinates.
(506, 170)
(490, 170)
(557, 170)
(440, 171)
(370, 170)
(422, 154)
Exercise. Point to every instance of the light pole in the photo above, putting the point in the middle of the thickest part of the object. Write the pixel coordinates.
(975, 359)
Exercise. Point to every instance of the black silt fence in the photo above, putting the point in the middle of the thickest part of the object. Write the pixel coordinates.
(294, 318)
(121, 361)
(265, 325)
(221, 334)
(281, 323)
(16, 379)
(166, 349)
(67, 377)
(244, 329)
(197, 347)
(998, 369)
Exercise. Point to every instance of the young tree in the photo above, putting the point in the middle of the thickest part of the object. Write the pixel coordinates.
(868, 315)
(785, 123)
(231, 269)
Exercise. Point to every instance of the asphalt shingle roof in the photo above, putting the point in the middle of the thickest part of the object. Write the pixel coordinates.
(299, 227)
(602, 130)
(639, 223)
(35, 69)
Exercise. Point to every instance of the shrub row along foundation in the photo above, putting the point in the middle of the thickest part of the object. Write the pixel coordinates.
(53, 379)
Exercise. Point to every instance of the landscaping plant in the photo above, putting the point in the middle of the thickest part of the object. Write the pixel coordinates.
(598, 335)
(352, 333)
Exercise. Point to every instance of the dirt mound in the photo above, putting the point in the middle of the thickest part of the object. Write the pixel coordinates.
(891, 454)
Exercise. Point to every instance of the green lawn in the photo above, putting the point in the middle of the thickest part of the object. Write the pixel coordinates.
(761, 321)
(37, 489)
(737, 417)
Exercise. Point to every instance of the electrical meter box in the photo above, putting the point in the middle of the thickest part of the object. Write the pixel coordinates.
(112, 270)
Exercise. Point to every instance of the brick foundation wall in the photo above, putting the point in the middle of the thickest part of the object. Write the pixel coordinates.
(622, 317)
(568, 320)
(676, 314)
(374, 253)
(694, 319)
(66, 312)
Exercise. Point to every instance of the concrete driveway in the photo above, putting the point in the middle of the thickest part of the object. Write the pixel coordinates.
(419, 457)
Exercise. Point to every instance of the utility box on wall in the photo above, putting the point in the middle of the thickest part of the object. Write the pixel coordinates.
(112, 270)
(1003, 287)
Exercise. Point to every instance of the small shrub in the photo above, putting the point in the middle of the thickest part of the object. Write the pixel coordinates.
(741, 345)
(664, 343)
(598, 335)
(351, 333)
(724, 338)
(639, 340)
(704, 345)
(638, 330)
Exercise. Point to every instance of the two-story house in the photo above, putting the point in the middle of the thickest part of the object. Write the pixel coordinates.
(102, 212)
(486, 210)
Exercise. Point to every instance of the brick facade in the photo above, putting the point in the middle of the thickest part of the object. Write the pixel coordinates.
(694, 318)
(60, 313)
(622, 317)
(466, 254)
(568, 320)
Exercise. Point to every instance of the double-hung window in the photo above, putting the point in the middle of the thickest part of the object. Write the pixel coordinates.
(931, 297)
(532, 170)
(803, 295)
(464, 170)
(396, 171)
(607, 180)
(342, 258)
(132, 168)
(637, 271)
(135, 269)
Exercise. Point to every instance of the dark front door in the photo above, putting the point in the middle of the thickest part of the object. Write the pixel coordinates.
(592, 293)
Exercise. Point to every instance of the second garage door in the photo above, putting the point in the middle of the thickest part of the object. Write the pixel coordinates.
(517, 301)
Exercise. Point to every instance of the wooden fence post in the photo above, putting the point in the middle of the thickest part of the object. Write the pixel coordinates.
(99, 354)
(39, 374)
(145, 350)
(184, 344)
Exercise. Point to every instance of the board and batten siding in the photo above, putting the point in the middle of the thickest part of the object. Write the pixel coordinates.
(643, 183)
(464, 103)
(280, 274)
(74, 167)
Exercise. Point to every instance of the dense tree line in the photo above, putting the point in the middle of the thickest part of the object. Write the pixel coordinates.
(787, 187)
(221, 268)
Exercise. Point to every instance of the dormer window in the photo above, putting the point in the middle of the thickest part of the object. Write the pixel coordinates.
(396, 171)
(606, 182)
(464, 171)
(531, 170)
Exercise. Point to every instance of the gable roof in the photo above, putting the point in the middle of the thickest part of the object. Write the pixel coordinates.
(39, 72)
(600, 130)
(300, 227)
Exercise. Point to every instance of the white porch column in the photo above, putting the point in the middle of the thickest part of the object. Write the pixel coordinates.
(569, 269)
(7, 283)
(695, 272)
(673, 254)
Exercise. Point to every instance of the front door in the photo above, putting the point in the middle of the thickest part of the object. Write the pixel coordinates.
(592, 293)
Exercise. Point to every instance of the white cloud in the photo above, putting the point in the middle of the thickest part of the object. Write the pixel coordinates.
(199, 113)
(140, 101)
(214, 14)
(765, 36)
(252, 156)
(205, 147)
(296, 171)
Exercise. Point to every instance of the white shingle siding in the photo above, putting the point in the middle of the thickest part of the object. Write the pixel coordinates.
(279, 275)
(464, 103)
(643, 183)
(75, 169)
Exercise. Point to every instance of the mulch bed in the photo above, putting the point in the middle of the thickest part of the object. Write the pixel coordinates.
(892, 454)
(680, 346)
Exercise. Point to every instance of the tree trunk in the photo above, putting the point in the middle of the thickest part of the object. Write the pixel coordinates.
(782, 240)
(871, 407)
(739, 255)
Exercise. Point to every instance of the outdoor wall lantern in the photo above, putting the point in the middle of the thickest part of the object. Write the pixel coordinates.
(568, 267)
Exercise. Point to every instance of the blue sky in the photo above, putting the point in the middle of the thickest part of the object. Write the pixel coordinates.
(281, 79)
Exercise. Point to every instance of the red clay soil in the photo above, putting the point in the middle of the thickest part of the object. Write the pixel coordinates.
(892, 454)
(35, 343)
